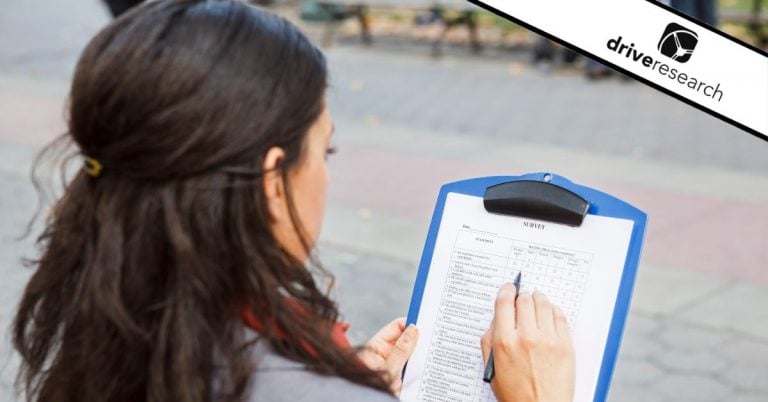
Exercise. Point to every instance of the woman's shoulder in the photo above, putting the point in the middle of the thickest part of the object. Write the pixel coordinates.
(279, 379)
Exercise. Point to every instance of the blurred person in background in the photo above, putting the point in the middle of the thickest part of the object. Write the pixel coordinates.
(703, 10)
(118, 7)
(544, 51)
(596, 70)
(178, 265)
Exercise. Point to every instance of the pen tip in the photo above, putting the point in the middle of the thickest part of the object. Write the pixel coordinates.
(517, 278)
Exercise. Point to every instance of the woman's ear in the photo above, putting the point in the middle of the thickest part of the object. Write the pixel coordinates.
(274, 186)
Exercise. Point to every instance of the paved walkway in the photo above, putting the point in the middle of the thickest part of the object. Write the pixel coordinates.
(698, 328)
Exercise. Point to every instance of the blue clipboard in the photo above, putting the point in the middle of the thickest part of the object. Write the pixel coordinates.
(600, 204)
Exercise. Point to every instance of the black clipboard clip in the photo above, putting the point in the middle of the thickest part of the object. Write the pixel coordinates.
(535, 199)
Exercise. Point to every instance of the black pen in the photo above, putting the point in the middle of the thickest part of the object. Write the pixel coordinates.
(488, 375)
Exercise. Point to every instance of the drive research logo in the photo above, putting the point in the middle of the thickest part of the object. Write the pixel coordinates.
(678, 42)
(681, 42)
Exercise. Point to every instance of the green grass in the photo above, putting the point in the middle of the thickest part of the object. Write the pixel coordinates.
(487, 19)
(737, 4)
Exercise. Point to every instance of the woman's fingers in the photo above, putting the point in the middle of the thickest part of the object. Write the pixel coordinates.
(561, 323)
(398, 323)
(402, 350)
(526, 313)
(390, 332)
(485, 343)
(532, 361)
(382, 342)
(399, 355)
(504, 316)
(544, 314)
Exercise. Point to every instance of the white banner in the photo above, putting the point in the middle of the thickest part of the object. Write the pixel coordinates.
(683, 58)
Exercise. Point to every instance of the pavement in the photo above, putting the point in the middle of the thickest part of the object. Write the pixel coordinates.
(406, 123)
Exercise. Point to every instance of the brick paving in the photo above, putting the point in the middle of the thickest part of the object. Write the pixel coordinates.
(508, 100)
(661, 358)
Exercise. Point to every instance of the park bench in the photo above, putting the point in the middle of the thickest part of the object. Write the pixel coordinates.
(448, 13)
(756, 20)
(333, 12)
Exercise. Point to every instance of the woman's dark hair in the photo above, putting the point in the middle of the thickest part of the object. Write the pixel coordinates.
(145, 269)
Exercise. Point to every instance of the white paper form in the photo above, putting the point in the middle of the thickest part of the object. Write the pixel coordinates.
(475, 253)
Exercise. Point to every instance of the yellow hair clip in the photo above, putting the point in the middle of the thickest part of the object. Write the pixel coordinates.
(91, 166)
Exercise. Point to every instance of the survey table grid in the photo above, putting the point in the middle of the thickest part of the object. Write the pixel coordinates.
(480, 263)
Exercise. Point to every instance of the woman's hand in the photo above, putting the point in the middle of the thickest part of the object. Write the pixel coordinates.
(389, 349)
(532, 350)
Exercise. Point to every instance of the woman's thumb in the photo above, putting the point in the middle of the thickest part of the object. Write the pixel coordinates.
(403, 348)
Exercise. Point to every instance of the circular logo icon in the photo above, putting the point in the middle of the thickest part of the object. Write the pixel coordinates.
(678, 42)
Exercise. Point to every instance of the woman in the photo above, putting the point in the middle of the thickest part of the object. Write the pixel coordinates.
(177, 266)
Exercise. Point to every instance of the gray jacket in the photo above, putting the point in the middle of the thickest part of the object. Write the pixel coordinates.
(279, 379)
